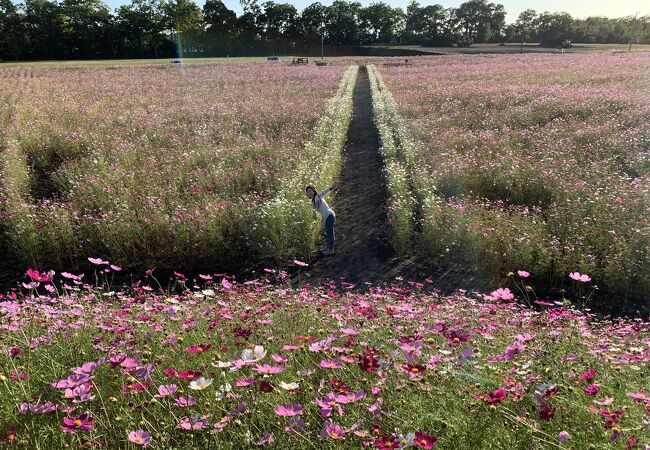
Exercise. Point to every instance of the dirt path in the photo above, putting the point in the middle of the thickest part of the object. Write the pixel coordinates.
(363, 251)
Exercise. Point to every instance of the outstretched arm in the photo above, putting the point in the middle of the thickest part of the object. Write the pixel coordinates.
(324, 192)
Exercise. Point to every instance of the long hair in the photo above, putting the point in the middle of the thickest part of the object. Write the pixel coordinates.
(313, 199)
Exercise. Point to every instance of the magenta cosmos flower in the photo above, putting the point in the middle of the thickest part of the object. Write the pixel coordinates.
(198, 348)
(289, 410)
(592, 389)
(140, 437)
(423, 440)
(73, 424)
(497, 396)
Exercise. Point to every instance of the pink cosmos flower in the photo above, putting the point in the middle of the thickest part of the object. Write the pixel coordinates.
(501, 293)
(289, 410)
(72, 381)
(38, 408)
(639, 397)
(40, 277)
(523, 273)
(196, 423)
(350, 397)
(165, 390)
(140, 437)
(184, 402)
(87, 368)
(299, 263)
(327, 404)
(333, 431)
(98, 261)
(563, 436)
(579, 277)
(265, 368)
(279, 359)
(330, 364)
(80, 423)
(350, 331)
(243, 382)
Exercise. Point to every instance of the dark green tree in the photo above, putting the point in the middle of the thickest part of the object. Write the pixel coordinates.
(12, 32)
(342, 22)
(480, 21)
(379, 22)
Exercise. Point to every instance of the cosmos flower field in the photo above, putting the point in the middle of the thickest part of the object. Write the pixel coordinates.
(534, 173)
(215, 363)
(538, 162)
(149, 165)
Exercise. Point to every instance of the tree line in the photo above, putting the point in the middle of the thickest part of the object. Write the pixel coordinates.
(71, 29)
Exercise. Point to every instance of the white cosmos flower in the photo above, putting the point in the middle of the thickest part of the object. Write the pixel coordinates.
(249, 356)
(223, 390)
(200, 384)
(222, 364)
(289, 386)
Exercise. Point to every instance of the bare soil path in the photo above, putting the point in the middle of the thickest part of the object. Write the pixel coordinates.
(363, 251)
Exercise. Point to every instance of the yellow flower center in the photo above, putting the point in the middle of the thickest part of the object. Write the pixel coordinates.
(77, 422)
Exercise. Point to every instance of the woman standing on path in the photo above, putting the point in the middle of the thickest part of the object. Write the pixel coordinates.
(329, 218)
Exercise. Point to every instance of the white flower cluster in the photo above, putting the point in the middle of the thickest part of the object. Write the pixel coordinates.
(287, 222)
(399, 162)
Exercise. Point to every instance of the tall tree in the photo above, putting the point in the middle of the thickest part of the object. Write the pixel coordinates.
(480, 20)
(424, 24)
(12, 33)
(44, 22)
(141, 27)
(280, 24)
(553, 28)
(184, 20)
(86, 29)
(525, 23)
(342, 22)
(379, 22)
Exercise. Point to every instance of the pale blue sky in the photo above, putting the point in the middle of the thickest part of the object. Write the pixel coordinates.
(577, 8)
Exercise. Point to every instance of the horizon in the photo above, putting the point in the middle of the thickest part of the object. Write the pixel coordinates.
(579, 9)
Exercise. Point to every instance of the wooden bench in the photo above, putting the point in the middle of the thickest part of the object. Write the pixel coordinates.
(300, 61)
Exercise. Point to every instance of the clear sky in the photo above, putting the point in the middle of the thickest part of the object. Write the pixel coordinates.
(577, 8)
